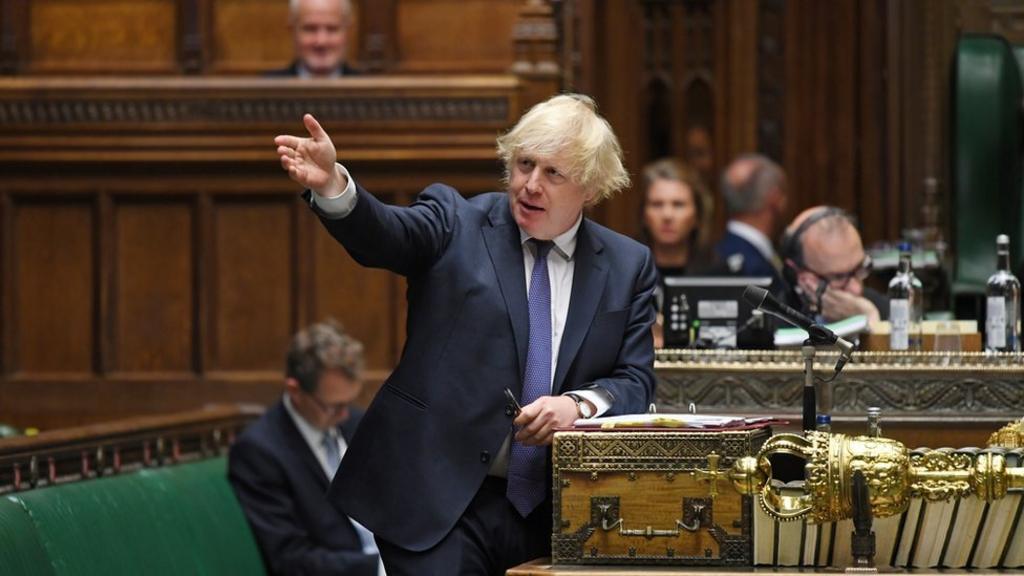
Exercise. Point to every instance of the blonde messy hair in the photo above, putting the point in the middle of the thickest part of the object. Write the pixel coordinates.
(568, 125)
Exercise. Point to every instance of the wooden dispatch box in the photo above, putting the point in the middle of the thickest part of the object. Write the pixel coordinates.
(651, 496)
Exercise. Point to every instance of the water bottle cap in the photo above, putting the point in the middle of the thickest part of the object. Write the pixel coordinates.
(1002, 239)
(904, 246)
(824, 419)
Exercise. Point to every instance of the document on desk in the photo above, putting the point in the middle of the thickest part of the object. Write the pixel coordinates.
(697, 421)
(843, 329)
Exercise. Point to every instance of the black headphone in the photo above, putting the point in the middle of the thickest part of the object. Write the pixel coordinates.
(792, 251)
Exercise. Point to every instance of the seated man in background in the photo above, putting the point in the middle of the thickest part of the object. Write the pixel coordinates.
(282, 464)
(320, 32)
(754, 190)
(826, 267)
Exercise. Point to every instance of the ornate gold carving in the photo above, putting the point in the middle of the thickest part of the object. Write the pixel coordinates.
(893, 476)
(710, 475)
(935, 487)
(1009, 436)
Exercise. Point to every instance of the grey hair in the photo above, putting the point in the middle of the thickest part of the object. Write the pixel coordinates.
(320, 347)
(747, 194)
(346, 10)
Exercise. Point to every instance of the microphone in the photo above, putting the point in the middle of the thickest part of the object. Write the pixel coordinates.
(762, 300)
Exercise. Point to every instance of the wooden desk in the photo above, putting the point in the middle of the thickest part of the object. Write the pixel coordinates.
(542, 567)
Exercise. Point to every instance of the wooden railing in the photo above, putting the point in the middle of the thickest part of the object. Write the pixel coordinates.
(85, 452)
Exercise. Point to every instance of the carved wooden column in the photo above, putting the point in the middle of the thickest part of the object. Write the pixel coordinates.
(378, 21)
(13, 29)
(191, 54)
(536, 51)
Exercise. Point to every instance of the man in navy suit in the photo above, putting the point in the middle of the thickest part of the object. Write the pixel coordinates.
(282, 465)
(515, 291)
(754, 190)
(320, 33)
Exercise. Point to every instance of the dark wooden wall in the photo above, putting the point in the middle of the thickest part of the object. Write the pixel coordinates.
(84, 37)
(850, 96)
(155, 257)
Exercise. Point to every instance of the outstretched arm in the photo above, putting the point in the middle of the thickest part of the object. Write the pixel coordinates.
(401, 239)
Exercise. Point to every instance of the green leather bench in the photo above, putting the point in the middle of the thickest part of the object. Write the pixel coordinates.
(179, 519)
(988, 170)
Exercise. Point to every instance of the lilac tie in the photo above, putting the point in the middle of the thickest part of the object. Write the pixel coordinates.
(526, 484)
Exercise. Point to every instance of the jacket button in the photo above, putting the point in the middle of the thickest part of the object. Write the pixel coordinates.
(485, 456)
(509, 410)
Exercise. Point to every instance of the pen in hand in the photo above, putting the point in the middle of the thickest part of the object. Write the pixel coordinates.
(513, 402)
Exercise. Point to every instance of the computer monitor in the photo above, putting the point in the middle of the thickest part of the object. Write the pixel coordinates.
(710, 312)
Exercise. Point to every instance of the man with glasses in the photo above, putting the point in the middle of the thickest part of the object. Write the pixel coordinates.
(282, 465)
(826, 267)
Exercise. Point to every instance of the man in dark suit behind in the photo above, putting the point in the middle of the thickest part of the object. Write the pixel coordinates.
(320, 32)
(281, 466)
(754, 190)
(509, 291)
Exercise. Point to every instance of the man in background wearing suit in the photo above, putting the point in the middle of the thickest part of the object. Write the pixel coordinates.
(320, 32)
(281, 466)
(510, 291)
(754, 189)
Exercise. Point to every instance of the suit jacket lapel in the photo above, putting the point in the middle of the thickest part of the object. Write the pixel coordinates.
(588, 281)
(297, 445)
(506, 251)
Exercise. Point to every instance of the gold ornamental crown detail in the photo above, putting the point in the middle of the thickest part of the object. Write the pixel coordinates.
(892, 473)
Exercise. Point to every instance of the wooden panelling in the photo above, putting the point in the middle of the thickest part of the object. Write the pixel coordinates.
(800, 80)
(52, 403)
(253, 290)
(251, 36)
(154, 287)
(134, 37)
(54, 300)
(455, 35)
(362, 299)
(76, 36)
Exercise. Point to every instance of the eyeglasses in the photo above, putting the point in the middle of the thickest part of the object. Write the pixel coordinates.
(841, 280)
(328, 409)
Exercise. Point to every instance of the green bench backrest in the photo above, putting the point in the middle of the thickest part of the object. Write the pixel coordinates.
(987, 163)
(180, 519)
(21, 552)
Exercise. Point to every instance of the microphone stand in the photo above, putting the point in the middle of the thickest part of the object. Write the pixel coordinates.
(811, 398)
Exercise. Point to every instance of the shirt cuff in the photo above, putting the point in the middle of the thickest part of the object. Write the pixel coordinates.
(337, 205)
(597, 397)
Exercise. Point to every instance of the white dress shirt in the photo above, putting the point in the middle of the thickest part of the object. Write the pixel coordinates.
(762, 243)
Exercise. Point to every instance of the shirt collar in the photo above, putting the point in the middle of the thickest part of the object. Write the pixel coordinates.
(313, 435)
(565, 243)
(303, 72)
(754, 236)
